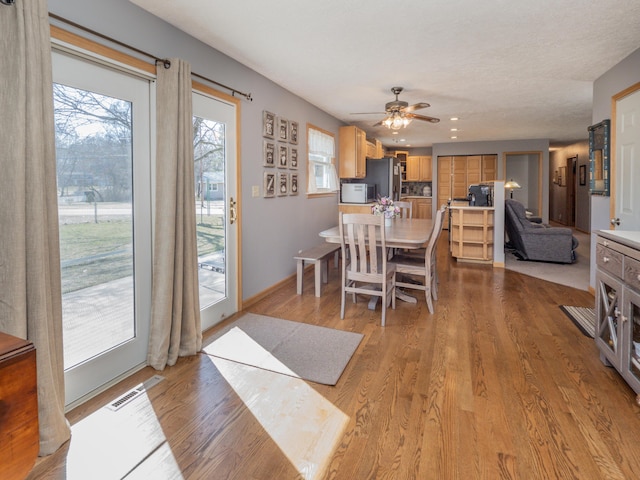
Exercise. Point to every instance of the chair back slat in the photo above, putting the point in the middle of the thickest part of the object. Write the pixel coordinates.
(361, 233)
(364, 260)
(406, 209)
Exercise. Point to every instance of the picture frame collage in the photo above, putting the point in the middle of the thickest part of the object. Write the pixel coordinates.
(280, 153)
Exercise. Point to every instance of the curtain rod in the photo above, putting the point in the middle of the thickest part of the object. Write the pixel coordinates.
(163, 61)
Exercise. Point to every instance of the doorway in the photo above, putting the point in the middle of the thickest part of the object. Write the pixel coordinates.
(215, 154)
(624, 162)
(525, 168)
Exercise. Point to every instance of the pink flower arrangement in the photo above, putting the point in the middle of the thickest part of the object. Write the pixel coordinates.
(384, 206)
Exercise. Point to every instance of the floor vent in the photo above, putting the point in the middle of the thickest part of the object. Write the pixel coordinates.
(134, 392)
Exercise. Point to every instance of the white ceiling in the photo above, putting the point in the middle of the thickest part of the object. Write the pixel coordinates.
(509, 69)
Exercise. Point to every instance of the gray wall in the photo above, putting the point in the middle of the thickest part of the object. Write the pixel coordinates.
(499, 148)
(623, 75)
(274, 229)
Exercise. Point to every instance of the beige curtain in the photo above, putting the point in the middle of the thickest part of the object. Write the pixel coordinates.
(30, 291)
(175, 315)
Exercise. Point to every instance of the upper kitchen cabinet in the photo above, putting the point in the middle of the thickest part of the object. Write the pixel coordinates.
(353, 152)
(374, 148)
(418, 169)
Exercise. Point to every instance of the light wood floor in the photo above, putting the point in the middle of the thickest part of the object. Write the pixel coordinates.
(498, 383)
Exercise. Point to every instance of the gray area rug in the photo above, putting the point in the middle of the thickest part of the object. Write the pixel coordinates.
(583, 317)
(574, 275)
(313, 353)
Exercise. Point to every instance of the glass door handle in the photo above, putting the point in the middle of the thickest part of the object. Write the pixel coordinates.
(233, 213)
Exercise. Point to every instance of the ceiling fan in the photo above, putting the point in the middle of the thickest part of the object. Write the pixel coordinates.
(400, 113)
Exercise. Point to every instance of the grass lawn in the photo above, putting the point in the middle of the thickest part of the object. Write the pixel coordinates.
(95, 253)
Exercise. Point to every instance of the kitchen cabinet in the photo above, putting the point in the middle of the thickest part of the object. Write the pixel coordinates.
(618, 303)
(456, 173)
(418, 169)
(374, 148)
(352, 151)
(355, 208)
(472, 233)
(420, 206)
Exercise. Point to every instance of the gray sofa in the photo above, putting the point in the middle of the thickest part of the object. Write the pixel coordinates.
(536, 241)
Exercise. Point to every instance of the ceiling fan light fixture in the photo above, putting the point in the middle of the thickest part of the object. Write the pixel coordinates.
(396, 121)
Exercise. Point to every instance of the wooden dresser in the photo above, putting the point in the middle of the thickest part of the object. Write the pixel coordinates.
(19, 438)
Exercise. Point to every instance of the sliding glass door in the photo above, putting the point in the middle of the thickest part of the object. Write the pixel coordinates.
(103, 178)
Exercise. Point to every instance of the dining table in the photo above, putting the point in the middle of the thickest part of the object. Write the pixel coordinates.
(406, 233)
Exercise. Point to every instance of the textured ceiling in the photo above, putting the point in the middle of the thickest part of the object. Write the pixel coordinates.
(509, 69)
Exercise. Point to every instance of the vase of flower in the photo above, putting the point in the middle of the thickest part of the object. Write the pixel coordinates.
(385, 206)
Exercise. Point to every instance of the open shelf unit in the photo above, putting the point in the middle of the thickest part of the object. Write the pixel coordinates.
(472, 233)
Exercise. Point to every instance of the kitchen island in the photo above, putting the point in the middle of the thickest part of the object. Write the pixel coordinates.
(472, 233)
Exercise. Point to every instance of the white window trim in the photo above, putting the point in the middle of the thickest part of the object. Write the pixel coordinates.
(321, 142)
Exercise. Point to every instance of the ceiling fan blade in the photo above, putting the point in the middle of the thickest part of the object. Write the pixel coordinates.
(378, 124)
(368, 113)
(423, 117)
(417, 106)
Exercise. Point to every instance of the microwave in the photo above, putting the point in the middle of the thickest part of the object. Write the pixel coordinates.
(358, 193)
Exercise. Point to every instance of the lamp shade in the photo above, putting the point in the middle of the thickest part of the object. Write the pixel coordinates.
(512, 185)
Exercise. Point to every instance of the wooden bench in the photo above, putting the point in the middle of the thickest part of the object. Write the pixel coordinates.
(317, 255)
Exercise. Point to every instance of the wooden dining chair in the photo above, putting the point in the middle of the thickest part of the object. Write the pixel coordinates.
(365, 269)
(406, 209)
(423, 266)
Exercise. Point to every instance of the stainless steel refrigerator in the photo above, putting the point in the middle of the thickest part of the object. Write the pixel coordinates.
(386, 175)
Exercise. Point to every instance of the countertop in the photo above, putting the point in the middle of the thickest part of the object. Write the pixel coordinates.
(414, 196)
(470, 207)
(630, 238)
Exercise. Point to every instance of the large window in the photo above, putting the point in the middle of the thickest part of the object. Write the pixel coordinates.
(321, 175)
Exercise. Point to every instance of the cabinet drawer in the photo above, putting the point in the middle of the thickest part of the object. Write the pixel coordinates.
(632, 273)
(609, 260)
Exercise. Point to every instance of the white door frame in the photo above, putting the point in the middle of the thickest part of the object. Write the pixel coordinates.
(614, 168)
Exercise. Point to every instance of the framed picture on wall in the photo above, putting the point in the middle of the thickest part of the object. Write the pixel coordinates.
(293, 158)
(268, 124)
(293, 132)
(562, 177)
(269, 153)
(583, 175)
(293, 184)
(283, 129)
(269, 184)
(283, 183)
(283, 156)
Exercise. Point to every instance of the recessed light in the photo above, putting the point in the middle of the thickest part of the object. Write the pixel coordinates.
(394, 133)
(408, 145)
(453, 119)
(454, 137)
(403, 139)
